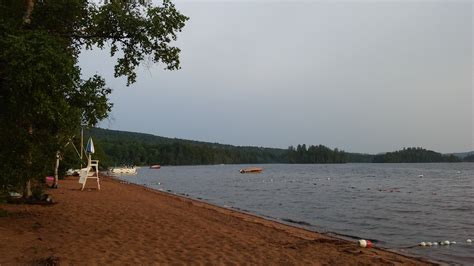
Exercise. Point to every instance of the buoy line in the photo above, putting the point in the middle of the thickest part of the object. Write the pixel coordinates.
(368, 244)
(441, 243)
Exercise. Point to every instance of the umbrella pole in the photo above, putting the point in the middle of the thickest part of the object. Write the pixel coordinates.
(82, 143)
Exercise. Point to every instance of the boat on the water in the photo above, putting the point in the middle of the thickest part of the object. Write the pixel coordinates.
(251, 170)
(156, 166)
(126, 170)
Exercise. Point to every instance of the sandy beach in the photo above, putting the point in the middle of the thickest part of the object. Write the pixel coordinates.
(129, 224)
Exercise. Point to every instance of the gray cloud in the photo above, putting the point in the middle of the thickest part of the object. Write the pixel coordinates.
(361, 76)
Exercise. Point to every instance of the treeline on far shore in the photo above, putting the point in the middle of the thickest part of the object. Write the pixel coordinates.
(115, 148)
(414, 155)
(469, 158)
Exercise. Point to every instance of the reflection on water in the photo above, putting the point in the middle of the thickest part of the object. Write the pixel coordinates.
(389, 203)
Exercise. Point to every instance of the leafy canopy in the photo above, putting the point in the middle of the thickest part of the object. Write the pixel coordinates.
(43, 96)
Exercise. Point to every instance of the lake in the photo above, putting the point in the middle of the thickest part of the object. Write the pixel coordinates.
(396, 205)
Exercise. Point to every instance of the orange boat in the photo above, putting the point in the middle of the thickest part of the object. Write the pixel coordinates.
(156, 166)
(251, 170)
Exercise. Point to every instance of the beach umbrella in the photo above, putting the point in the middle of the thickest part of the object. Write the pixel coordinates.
(90, 146)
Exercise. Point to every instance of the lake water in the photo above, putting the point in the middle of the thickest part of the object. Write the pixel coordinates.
(388, 203)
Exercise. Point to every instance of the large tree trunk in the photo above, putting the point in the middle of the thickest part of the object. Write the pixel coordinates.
(27, 186)
(30, 5)
(27, 190)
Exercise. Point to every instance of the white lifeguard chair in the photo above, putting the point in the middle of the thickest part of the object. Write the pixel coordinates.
(91, 171)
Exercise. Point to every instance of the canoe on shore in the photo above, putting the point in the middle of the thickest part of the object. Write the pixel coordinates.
(251, 170)
(123, 170)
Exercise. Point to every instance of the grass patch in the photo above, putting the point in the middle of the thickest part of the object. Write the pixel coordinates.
(3, 213)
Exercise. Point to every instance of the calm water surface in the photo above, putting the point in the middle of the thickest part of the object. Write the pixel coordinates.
(389, 203)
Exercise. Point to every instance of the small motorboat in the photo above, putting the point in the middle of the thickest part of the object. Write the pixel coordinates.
(251, 170)
(156, 166)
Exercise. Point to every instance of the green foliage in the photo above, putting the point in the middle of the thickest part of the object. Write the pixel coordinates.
(120, 147)
(3, 213)
(138, 30)
(38, 190)
(43, 98)
(315, 154)
(359, 157)
(70, 160)
(469, 158)
(129, 148)
(143, 149)
(414, 155)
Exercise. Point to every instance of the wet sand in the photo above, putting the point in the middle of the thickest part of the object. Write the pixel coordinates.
(129, 224)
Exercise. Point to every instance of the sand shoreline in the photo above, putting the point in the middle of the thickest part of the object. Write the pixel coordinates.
(128, 223)
(295, 224)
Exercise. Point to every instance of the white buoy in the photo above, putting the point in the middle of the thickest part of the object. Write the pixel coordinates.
(446, 242)
(423, 244)
(420, 175)
(453, 242)
(429, 244)
(469, 241)
(441, 243)
(435, 243)
(365, 243)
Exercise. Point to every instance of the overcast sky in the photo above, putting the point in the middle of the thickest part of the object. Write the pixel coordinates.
(363, 76)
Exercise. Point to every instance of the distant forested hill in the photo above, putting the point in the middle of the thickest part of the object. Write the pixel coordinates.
(120, 147)
(469, 158)
(114, 148)
(463, 155)
(414, 155)
(359, 157)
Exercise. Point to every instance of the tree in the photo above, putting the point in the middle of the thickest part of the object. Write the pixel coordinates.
(43, 97)
(469, 158)
(414, 155)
